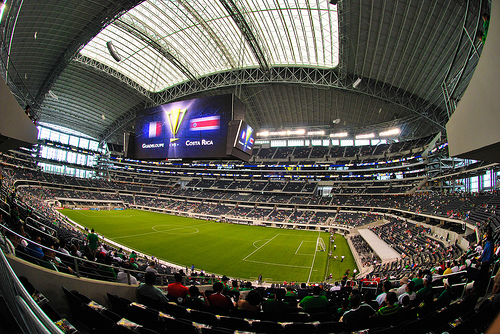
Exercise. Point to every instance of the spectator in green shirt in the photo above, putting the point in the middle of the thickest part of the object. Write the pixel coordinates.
(486, 26)
(316, 301)
(391, 308)
(93, 240)
(276, 304)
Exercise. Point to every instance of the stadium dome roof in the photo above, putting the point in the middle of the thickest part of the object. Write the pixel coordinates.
(292, 62)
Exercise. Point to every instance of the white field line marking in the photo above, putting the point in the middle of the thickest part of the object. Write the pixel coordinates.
(314, 259)
(155, 231)
(78, 211)
(176, 229)
(299, 247)
(111, 216)
(260, 247)
(297, 251)
(257, 241)
(278, 264)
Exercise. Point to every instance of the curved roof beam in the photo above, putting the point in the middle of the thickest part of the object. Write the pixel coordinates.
(165, 50)
(309, 76)
(92, 29)
(300, 75)
(247, 32)
(210, 32)
(98, 66)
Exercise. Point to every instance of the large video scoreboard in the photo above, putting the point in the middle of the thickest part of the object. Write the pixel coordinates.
(203, 128)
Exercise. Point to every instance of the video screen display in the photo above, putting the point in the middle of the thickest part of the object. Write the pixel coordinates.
(190, 129)
(245, 138)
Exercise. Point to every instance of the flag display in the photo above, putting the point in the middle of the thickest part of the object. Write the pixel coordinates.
(192, 129)
(154, 129)
(205, 123)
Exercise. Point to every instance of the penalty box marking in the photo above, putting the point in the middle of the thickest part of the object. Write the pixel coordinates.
(272, 263)
(298, 248)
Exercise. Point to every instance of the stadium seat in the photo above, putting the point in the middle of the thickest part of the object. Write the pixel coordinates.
(179, 326)
(245, 314)
(202, 317)
(76, 307)
(386, 330)
(152, 303)
(234, 323)
(268, 327)
(145, 316)
(119, 305)
(177, 311)
(299, 328)
(321, 316)
(218, 310)
(98, 322)
(141, 330)
(292, 301)
(216, 330)
(297, 317)
(330, 327)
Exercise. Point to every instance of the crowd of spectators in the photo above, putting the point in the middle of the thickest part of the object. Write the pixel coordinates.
(37, 230)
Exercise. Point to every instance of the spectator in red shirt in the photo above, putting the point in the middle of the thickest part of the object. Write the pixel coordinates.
(217, 299)
(177, 290)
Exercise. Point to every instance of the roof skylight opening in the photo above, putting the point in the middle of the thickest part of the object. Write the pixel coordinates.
(162, 44)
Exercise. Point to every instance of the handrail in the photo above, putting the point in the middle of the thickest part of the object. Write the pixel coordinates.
(42, 224)
(77, 260)
(39, 230)
(8, 205)
(28, 315)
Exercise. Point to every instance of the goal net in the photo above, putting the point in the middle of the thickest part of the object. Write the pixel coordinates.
(320, 245)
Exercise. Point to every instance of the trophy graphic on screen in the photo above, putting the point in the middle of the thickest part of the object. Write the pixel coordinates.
(175, 117)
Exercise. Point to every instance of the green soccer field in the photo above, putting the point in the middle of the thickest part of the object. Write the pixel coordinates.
(240, 251)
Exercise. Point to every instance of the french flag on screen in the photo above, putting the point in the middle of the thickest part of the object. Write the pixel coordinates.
(154, 129)
(205, 123)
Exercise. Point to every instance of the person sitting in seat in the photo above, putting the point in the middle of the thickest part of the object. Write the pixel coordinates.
(358, 315)
(177, 290)
(54, 263)
(12, 241)
(423, 292)
(251, 302)
(123, 274)
(386, 287)
(151, 268)
(34, 250)
(316, 301)
(217, 299)
(391, 307)
(196, 299)
(148, 290)
(106, 270)
(276, 304)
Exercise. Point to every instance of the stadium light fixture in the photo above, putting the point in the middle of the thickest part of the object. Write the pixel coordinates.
(316, 133)
(278, 133)
(296, 132)
(356, 83)
(339, 135)
(263, 134)
(392, 132)
(365, 136)
(2, 9)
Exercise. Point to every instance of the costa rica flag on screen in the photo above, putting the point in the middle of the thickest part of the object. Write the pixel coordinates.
(205, 123)
(154, 129)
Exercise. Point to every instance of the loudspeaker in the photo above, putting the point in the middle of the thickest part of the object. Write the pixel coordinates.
(112, 51)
